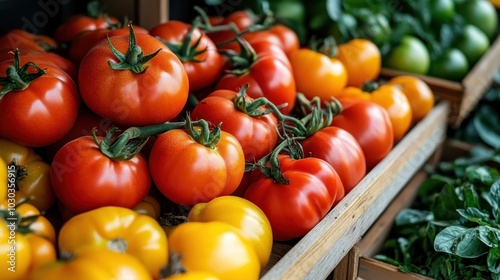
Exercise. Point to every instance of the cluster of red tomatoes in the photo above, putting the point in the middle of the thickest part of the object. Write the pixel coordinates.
(228, 108)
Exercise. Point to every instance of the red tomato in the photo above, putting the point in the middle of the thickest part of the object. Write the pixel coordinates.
(294, 209)
(78, 23)
(370, 125)
(85, 40)
(41, 57)
(84, 178)
(156, 95)
(241, 19)
(198, 54)
(188, 172)
(340, 149)
(267, 77)
(41, 113)
(288, 38)
(19, 39)
(257, 135)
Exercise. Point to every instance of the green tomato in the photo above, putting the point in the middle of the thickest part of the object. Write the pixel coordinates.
(480, 13)
(450, 65)
(377, 29)
(473, 43)
(442, 11)
(410, 55)
(292, 9)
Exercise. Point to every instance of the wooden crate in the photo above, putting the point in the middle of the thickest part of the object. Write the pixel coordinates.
(464, 95)
(372, 242)
(317, 254)
(146, 13)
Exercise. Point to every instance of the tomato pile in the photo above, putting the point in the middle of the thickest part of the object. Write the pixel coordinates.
(184, 150)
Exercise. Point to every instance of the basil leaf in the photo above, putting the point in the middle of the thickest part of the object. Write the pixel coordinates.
(487, 124)
(494, 260)
(460, 241)
(334, 9)
(475, 215)
(493, 198)
(413, 216)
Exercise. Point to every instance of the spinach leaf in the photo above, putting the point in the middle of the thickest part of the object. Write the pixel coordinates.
(413, 216)
(460, 241)
(493, 198)
(494, 260)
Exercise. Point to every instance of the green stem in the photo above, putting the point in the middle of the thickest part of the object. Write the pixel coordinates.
(187, 51)
(18, 78)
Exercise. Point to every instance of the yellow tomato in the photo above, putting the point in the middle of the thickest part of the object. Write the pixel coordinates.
(35, 183)
(42, 251)
(96, 264)
(317, 74)
(149, 206)
(362, 60)
(243, 215)
(354, 93)
(15, 255)
(3, 180)
(398, 107)
(215, 247)
(419, 95)
(119, 229)
(194, 275)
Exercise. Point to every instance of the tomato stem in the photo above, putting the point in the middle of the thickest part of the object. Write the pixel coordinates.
(242, 62)
(134, 59)
(326, 46)
(118, 245)
(186, 51)
(173, 267)
(18, 78)
(203, 135)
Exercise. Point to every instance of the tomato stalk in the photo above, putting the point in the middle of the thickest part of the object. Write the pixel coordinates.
(173, 267)
(134, 59)
(18, 78)
(241, 62)
(20, 172)
(185, 51)
(21, 224)
(118, 245)
(326, 46)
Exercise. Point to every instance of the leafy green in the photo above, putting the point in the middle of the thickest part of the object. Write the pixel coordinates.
(452, 230)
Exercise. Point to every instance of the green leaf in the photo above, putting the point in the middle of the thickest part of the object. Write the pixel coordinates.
(413, 216)
(445, 204)
(494, 260)
(487, 124)
(475, 215)
(490, 236)
(493, 198)
(471, 197)
(460, 241)
(481, 174)
(334, 9)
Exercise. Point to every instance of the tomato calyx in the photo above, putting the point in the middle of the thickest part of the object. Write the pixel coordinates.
(241, 63)
(18, 78)
(134, 59)
(119, 245)
(171, 219)
(326, 46)
(318, 117)
(185, 51)
(255, 108)
(173, 267)
(19, 224)
(202, 134)
(370, 86)
(95, 9)
(20, 172)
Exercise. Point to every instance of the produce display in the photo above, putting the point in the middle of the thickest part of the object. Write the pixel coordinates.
(188, 149)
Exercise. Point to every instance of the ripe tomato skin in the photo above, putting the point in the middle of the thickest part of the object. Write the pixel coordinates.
(362, 60)
(79, 23)
(187, 172)
(85, 40)
(257, 135)
(339, 148)
(43, 112)
(244, 215)
(369, 123)
(419, 95)
(96, 264)
(203, 69)
(294, 209)
(23, 257)
(17, 38)
(398, 107)
(84, 179)
(267, 77)
(42, 251)
(215, 247)
(318, 75)
(41, 57)
(289, 40)
(141, 235)
(155, 96)
(241, 19)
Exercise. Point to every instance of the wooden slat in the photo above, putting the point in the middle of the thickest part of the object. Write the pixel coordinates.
(347, 269)
(371, 269)
(317, 253)
(152, 12)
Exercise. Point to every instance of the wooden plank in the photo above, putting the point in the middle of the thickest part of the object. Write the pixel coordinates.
(347, 269)
(318, 252)
(371, 269)
(152, 12)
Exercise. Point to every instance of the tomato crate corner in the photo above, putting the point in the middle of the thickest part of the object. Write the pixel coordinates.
(317, 254)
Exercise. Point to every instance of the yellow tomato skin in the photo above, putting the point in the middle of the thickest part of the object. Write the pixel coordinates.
(362, 60)
(3, 180)
(149, 206)
(42, 251)
(318, 75)
(354, 93)
(419, 95)
(36, 184)
(113, 227)
(96, 264)
(243, 215)
(193, 275)
(15, 254)
(398, 107)
(215, 247)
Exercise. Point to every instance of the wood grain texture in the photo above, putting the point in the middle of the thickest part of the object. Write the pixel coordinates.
(371, 269)
(317, 253)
